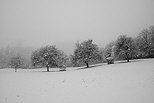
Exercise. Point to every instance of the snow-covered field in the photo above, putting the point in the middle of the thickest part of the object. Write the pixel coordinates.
(117, 83)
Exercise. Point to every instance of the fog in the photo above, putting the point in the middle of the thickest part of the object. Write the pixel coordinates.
(36, 23)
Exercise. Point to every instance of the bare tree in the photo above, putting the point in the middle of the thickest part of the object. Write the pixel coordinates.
(16, 62)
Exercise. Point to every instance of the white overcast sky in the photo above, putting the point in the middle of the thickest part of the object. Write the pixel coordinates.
(64, 22)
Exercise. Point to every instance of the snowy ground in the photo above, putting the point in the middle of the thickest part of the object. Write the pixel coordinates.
(117, 83)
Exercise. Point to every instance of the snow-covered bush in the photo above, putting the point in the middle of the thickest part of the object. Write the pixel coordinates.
(110, 60)
(62, 68)
(108, 50)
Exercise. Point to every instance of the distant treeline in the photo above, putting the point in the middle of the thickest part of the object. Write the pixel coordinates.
(85, 53)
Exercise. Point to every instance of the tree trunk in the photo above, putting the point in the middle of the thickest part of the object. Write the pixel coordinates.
(15, 69)
(127, 57)
(87, 65)
(47, 68)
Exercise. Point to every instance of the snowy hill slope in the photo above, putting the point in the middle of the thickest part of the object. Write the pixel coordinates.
(117, 83)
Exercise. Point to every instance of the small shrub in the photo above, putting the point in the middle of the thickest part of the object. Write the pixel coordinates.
(62, 68)
(110, 60)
